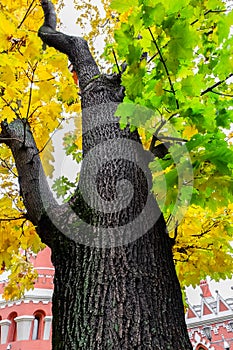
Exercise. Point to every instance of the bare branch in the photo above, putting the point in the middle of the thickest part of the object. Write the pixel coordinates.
(206, 13)
(170, 138)
(17, 114)
(221, 93)
(27, 13)
(30, 98)
(7, 166)
(209, 89)
(50, 138)
(156, 137)
(8, 139)
(118, 68)
(22, 217)
(165, 67)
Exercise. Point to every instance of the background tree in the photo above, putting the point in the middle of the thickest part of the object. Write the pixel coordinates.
(125, 296)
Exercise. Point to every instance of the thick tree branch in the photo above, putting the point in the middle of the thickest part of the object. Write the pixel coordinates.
(50, 218)
(75, 48)
(34, 188)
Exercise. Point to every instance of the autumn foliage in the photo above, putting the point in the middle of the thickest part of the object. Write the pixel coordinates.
(178, 93)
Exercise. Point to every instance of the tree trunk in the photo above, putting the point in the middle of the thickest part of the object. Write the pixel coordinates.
(115, 284)
(118, 298)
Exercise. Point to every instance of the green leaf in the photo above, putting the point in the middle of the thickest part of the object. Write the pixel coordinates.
(153, 14)
(62, 186)
(122, 6)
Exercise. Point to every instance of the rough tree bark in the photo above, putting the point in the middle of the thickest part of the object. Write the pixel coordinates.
(116, 290)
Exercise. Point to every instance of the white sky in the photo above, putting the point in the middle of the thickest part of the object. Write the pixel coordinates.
(68, 17)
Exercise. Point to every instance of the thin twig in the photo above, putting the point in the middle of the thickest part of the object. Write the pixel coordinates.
(8, 167)
(34, 111)
(165, 67)
(31, 86)
(215, 224)
(18, 115)
(152, 144)
(170, 138)
(163, 122)
(175, 232)
(26, 14)
(156, 54)
(209, 89)
(3, 139)
(13, 219)
(221, 94)
(50, 138)
(206, 13)
(43, 80)
(30, 98)
(114, 54)
(105, 23)
(155, 135)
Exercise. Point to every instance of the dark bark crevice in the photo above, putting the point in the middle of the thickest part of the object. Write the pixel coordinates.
(120, 298)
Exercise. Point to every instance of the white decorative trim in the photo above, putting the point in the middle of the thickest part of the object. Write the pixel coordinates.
(47, 327)
(4, 324)
(216, 329)
(24, 326)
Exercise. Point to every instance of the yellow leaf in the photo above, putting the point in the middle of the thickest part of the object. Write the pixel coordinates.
(189, 131)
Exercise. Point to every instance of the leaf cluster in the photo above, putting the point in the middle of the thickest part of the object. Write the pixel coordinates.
(179, 76)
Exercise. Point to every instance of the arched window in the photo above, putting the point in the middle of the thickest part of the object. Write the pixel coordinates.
(35, 331)
(37, 326)
(201, 347)
(13, 329)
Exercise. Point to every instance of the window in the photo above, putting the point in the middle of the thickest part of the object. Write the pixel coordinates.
(230, 324)
(207, 332)
(35, 331)
(38, 325)
(13, 329)
(201, 347)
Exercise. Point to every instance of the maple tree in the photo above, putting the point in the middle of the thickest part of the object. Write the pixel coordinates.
(175, 62)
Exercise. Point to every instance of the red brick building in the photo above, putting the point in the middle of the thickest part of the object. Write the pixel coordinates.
(210, 324)
(26, 324)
